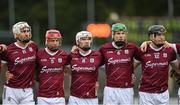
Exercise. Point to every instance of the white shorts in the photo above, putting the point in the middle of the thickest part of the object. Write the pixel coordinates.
(82, 101)
(16, 96)
(118, 96)
(179, 96)
(154, 98)
(50, 101)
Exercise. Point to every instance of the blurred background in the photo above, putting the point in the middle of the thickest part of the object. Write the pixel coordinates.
(72, 16)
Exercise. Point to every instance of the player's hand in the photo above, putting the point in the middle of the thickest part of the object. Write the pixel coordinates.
(96, 87)
(172, 73)
(167, 44)
(30, 42)
(9, 75)
(144, 45)
(75, 49)
(133, 78)
(3, 48)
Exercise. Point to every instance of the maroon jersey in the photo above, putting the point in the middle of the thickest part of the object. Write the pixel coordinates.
(119, 64)
(155, 68)
(178, 48)
(21, 63)
(84, 74)
(51, 73)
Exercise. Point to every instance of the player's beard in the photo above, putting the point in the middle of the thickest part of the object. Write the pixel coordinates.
(86, 48)
(119, 43)
(25, 40)
(52, 49)
(159, 45)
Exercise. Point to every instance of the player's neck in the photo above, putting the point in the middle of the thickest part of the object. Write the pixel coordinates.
(50, 52)
(21, 44)
(152, 45)
(84, 53)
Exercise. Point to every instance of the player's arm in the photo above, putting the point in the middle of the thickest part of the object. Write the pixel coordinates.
(136, 64)
(74, 49)
(173, 46)
(144, 45)
(67, 70)
(8, 75)
(96, 87)
(133, 76)
(3, 48)
(175, 66)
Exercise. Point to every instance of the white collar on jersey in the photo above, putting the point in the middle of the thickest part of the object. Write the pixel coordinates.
(85, 54)
(155, 49)
(20, 46)
(114, 45)
(51, 53)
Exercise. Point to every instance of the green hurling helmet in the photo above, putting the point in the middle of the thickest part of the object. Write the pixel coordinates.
(118, 26)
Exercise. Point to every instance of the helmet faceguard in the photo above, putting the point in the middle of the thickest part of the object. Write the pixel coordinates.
(18, 29)
(53, 34)
(50, 35)
(84, 34)
(117, 27)
(155, 30)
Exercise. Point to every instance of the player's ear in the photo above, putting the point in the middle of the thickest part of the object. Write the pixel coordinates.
(15, 36)
(151, 37)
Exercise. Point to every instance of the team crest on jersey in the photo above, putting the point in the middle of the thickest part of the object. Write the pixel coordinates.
(118, 52)
(165, 55)
(59, 60)
(30, 49)
(126, 51)
(83, 60)
(91, 60)
(52, 61)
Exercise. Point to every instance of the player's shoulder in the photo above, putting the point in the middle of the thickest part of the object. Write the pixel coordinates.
(178, 47)
(169, 49)
(41, 51)
(33, 44)
(131, 45)
(106, 45)
(62, 52)
(96, 52)
(12, 45)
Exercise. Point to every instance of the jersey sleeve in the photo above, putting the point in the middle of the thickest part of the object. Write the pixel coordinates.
(178, 48)
(137, 55)
(68, 59)
(172, 57)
